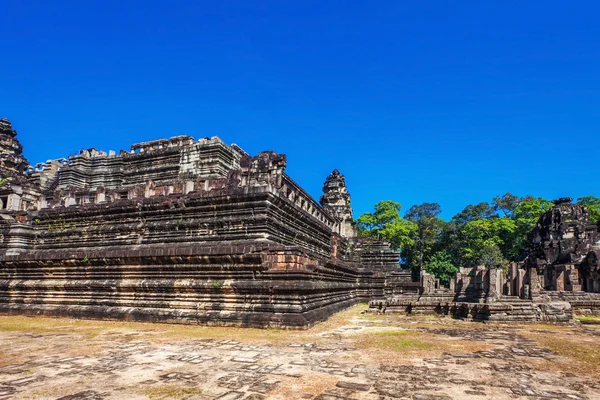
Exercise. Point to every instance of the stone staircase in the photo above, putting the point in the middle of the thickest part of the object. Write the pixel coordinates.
(508, 308)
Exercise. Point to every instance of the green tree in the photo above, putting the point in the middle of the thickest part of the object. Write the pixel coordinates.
(593, 206)
(474, 213)
(491, 256)
(428, 229)
(531, 208)
(490, 234)
(479, 236)
(442, 266)
(507, 204)
(385, 223)
(385, 212)
(526, 216)
(400, 233)
(452, 237)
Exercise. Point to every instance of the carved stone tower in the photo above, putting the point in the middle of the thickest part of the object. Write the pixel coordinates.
(12, 162)
(564, 247)
(16, 192)
(336, 201)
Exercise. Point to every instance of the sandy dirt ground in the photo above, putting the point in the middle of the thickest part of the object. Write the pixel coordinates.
(354, 355)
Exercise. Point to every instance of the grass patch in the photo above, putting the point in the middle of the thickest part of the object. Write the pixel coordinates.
(392, 345)
(588, 320)
(395, 345)
(395, 340)
(172, 392)
(162, 332)
(580, 353)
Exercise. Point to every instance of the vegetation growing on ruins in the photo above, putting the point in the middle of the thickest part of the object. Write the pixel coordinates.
(489, 233)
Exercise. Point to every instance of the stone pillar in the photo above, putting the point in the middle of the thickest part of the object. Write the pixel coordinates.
(492, 287)
(534, 283)
(558, 278)
(20, 239)
(149, 189)
(572, 279)
(100, 195)
(459, 284)
(500, 281)
(427, 283)
(478, 279)
(527, 292)
(189, 187)
(14, 202)
(513, 271)
(70, 200)
(520, 282)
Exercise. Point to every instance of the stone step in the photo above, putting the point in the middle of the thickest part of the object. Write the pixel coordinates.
(513, 299)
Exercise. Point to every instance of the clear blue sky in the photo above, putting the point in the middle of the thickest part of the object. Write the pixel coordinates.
(415, 101)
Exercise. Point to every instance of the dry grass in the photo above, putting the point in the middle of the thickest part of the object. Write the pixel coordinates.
(579, 353)
(420, 321)
(395, 346)
(392, 340)
(56, 390)
(164, 392)
(161, 332)
(312, 384)
(546, 327)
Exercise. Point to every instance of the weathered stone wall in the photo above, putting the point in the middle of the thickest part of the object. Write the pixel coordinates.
(242, 285)
(249, 258)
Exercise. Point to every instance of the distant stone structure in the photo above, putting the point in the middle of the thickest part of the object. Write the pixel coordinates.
(562, 261)
(559, 276)
(336, 201)
(178, 230)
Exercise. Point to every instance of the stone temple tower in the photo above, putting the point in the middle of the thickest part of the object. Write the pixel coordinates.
(336, 201)
(12, 162)
(16, 191)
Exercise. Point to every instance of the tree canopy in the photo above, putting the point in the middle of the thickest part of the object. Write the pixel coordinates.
(593, 205)
(385, 223)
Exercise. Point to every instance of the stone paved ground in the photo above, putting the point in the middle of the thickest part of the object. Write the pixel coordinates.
(352, 356)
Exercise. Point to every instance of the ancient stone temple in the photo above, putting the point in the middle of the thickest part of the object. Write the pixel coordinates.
(559, 276)
(198, 231)
(180, 230)
(562, 260)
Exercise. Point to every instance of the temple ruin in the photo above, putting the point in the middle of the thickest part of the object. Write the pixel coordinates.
(198, 231)
(178, 230)
(559, 277)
